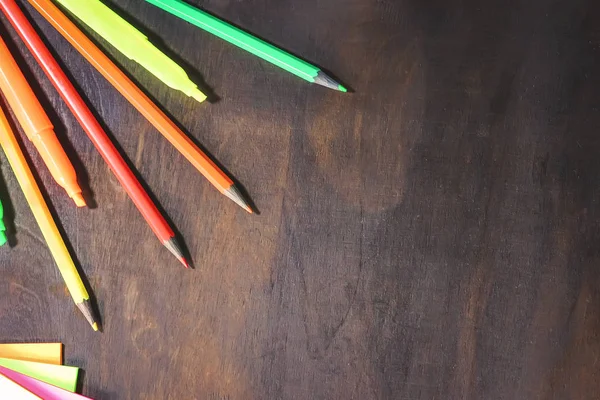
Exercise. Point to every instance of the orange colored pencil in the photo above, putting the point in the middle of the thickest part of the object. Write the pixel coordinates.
(140, 101)
(36, 124)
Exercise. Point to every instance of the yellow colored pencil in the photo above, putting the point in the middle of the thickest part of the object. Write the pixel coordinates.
(45, 221)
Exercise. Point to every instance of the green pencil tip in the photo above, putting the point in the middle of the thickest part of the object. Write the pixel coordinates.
(325, 80)
(3, 238)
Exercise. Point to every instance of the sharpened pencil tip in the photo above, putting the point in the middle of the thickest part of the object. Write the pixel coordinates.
(175, 248)
(88, 312)
(184, 262)
(325, 80)
(234, 195)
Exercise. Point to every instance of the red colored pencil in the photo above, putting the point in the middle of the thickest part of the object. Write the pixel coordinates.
(86, 119)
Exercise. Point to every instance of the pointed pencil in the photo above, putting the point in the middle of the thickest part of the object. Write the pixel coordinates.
(248, 42)
(90, 125)
(139, 100)
(42, 215)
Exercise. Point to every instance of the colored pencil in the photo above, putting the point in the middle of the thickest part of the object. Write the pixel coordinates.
(132, 43)
(90, 124)
(36, 124)
(248, 42)
(45, 221)
(140, 101)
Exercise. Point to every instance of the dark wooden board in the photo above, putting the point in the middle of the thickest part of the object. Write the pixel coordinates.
(433, 235)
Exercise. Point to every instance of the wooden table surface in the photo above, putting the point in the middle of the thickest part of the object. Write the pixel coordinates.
(433, 235)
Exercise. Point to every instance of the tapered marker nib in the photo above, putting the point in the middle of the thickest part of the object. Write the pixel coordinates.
(324, 80)
(234, 194)
(198, 95)
(175, 248)
(78, 199)
(88, 312)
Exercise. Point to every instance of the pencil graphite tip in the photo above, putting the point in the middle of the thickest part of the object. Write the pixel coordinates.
(175, 248)
(88, 312)
(234, 195)
(325, 80)
(184, 262)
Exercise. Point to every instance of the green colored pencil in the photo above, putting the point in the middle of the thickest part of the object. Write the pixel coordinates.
(247, 42)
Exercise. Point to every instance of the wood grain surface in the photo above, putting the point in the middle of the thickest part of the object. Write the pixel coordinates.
(433, 235)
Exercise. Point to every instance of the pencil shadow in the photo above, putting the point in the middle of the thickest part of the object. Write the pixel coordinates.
(59, 128)
(61, 229)
(80, 380)
(9, 213)
(157, 41)
(102, 394)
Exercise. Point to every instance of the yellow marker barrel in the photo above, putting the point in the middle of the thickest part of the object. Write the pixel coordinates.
(132, 43)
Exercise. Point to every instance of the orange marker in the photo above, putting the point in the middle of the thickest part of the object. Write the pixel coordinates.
(36, 124)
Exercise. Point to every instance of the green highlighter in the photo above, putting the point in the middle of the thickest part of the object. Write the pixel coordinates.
(63, 376)
(2, 226)
(246, 41)
(132, 43)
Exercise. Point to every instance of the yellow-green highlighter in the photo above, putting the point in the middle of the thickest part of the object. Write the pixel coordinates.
(132, 43)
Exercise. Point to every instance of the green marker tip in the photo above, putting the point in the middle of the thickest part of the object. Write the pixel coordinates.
(342, 89)
(3, 238)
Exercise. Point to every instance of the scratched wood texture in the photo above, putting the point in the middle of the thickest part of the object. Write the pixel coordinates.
(434, 235)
